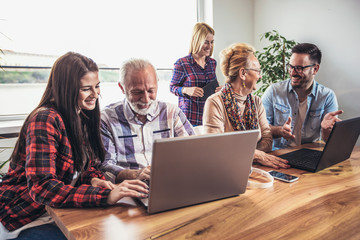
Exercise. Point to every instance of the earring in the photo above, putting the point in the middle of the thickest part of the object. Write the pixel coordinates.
(244, 84)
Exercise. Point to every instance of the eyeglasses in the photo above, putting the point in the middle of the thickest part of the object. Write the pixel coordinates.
(298, 69)
(256, 70)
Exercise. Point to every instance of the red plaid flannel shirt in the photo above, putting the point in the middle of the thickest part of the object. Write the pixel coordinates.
(43, 175)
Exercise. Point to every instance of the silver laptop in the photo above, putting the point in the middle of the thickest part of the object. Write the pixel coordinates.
(197, 169)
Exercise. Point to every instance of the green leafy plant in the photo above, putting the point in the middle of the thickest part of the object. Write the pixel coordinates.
(4, 163)
(1, 166)
(273, 59)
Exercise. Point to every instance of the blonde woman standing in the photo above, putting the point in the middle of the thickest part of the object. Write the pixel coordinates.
(193, 72)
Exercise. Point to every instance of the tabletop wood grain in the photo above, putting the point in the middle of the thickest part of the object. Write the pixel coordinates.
(322, 205)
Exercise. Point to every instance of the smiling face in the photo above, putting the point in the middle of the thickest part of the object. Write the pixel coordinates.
(304, 79)
(89, 91)
(208, 45)
(141, 89)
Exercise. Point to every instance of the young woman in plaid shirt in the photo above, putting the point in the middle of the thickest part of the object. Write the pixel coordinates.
(55, 159)
(193, 72)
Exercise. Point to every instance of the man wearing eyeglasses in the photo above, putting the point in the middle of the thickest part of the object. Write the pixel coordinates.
(300, 109)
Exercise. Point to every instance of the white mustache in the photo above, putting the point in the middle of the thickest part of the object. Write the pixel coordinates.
(143, 104)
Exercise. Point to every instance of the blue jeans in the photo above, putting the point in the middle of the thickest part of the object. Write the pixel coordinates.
(47, 231)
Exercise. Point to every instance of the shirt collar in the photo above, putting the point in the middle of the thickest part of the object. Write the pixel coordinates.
(130, 115)
(313, 90)
(192, 60)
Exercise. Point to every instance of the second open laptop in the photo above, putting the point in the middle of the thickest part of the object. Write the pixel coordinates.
(197, 169)
(338, 148)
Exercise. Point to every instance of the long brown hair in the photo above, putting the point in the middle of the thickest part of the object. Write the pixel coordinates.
(61, 93)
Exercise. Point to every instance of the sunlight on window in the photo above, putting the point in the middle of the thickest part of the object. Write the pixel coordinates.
(37, 32)
(108, 31)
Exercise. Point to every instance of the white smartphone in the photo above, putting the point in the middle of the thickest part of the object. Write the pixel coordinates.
(283, 176)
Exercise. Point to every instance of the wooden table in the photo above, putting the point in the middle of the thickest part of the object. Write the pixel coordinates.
(322, 205)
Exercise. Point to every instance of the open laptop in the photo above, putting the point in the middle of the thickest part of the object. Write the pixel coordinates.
(196, 169)
(338, 148)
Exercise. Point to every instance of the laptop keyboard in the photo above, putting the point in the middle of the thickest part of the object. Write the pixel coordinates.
(144, 200)
(146, 181)
(303, 158)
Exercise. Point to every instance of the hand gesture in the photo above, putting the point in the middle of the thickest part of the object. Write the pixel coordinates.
(285, 130)
(328, 123)
(128, 188)
(330, 119)
(270, 160)
(193, 91)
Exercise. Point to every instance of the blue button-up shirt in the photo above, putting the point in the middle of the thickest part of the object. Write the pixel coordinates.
(281, 101)
(128, 142)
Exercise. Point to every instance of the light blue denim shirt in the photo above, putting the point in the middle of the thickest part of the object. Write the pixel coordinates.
(281, 101)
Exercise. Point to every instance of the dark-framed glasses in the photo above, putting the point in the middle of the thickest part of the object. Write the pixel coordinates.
(298, 69)
(255, 70)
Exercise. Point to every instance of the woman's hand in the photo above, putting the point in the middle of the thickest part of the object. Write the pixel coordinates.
(270, 160)
(193, 91)
(128, 188)
(96, 182)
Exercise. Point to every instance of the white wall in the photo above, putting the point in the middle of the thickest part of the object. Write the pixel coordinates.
(333, 25)
(232, 22)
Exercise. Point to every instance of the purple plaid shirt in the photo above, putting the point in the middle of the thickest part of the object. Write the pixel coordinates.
(187, 73)
(128, 142)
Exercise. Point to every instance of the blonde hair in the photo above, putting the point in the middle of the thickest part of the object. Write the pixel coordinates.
(233, 58)
(200, 31)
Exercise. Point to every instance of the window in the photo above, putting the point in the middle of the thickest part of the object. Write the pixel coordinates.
(36, 32)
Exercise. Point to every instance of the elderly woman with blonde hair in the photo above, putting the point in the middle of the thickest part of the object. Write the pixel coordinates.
(234, 108)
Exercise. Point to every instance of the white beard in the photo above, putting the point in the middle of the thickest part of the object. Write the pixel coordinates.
(141, 111)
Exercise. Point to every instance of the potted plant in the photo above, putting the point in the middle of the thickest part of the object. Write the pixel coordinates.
(273, 59)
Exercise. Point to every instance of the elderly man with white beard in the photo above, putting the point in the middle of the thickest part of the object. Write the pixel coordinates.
(129, 127)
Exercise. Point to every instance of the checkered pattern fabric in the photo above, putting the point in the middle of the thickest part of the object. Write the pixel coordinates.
(187, 73)
(44, 173)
